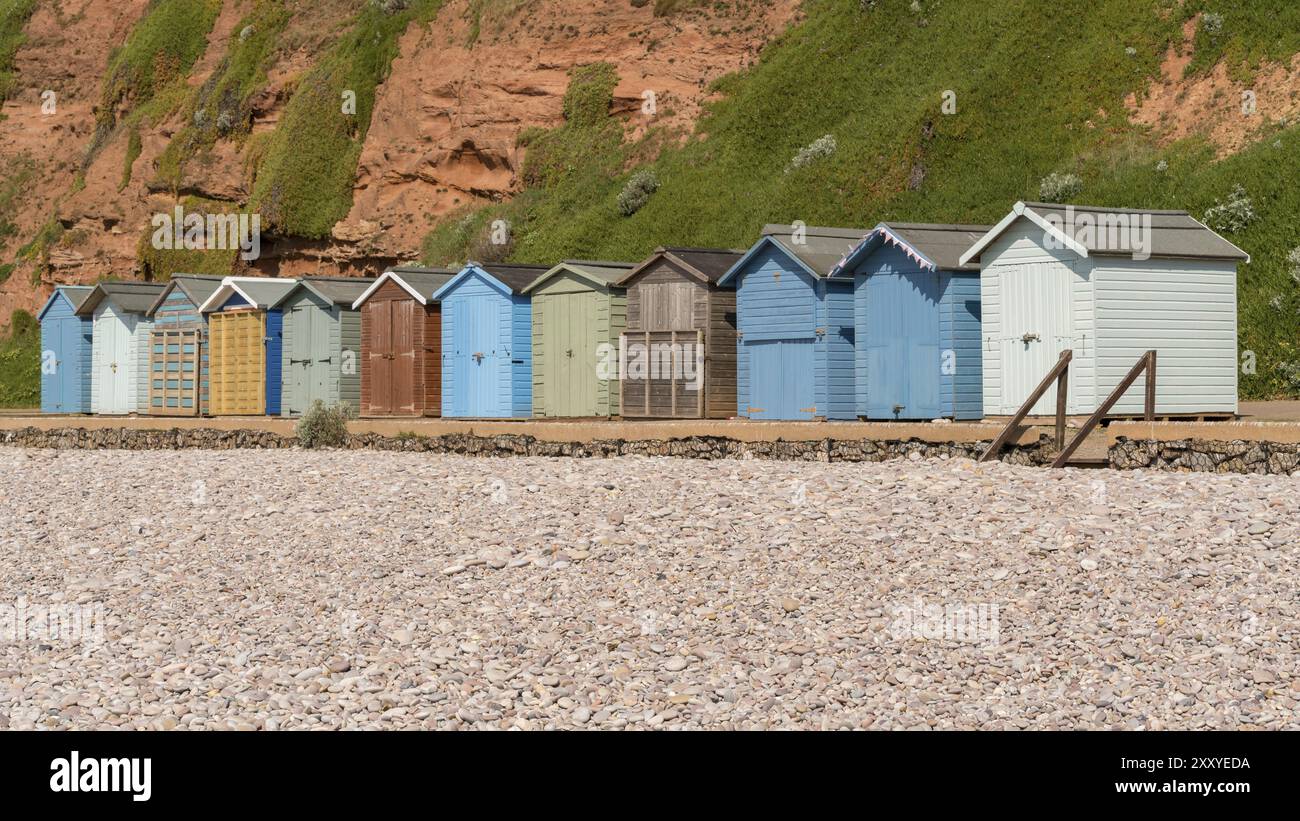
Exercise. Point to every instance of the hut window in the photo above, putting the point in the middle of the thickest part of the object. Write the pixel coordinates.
(667, 306)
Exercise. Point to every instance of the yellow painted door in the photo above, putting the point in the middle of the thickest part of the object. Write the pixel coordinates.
(237, 366)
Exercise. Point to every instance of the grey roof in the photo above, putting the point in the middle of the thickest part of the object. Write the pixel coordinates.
(76, 293)
(607, 272)
(266, 292)
(426, 281)
(941, 244)
(339, 290)
(1173, 233)
(198, 287)
(709, 263)
(598, 273)
(822, 249)
(128, 297)
(515, 277)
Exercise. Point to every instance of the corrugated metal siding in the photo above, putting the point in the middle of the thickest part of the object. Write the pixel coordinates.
(1185, 310)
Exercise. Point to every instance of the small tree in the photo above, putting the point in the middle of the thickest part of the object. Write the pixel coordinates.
(324, 426)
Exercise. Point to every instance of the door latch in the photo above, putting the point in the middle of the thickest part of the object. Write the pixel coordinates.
(1027, 338)
(478, 357)
(898, 409)
(569, 353)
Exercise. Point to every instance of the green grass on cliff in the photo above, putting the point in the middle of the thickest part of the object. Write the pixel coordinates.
(13, 16)
(1039, 87)
(20, 362)
(306, 168)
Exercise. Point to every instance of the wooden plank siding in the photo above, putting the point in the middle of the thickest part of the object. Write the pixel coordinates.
(671, 305)
(238, 363)
(178, 359)
(418, 364)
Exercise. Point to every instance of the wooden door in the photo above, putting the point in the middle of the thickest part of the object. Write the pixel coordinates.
(902, 345)
(112, 356)
(402, 356)
(1036, 328)
(174, 372)
(237, 363)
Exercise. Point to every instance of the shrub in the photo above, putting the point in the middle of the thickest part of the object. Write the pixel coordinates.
(1233, 215)
(817, 149)
(1293, 261)
(637, 191)
(324, 426)
(1212, 24)
(1059, 187)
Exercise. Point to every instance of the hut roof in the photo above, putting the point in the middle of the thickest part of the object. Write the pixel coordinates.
(597, 273)
(334, 290)
(128, 297)
(935, 246)
(1088, 230)
(420, 283)
(75, 294)
(705, 264)
(260, 292)
(819, 250)
(198, 287)
(513, 278)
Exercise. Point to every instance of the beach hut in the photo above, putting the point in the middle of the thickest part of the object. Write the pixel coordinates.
(245, 346)
(1108, 284)
(916, 322)
(487, 341)
(178, 356)
(65, 351)
(401, 343)
(322, 343)
(674, 304)
(120, 348)
(796, 349)
(578, 316)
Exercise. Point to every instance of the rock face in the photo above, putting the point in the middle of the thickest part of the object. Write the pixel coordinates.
(443, 134)
(288, 589)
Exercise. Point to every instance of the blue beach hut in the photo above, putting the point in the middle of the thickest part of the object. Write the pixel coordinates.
(487, 362)
(917, 316)
(65, 351)
(795, 325)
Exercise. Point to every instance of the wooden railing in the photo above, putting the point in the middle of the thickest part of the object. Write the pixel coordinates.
(1059, 374)
(1148, 364)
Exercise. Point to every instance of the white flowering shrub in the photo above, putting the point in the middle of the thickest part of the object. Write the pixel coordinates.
(1059, 187)
(637, 192)
(815, 150)
(1233, 215)
(1212, 24)
(1293, 263)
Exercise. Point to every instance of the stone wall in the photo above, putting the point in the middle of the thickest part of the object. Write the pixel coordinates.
(1205, 456)
(694, 447)
(1177, 455)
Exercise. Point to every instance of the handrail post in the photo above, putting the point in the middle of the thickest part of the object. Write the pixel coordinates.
(1062, 395)
(1058, 373)
(1148, 364)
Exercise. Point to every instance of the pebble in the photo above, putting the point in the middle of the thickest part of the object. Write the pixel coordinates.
(645, 593)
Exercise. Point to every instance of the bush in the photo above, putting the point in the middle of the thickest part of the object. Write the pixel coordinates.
(817, 149)
(1293, 260)
(1233, 215)
(324, 426)
(1059, 187)
(637, 191)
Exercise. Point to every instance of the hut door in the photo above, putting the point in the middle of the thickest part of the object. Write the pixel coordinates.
(782, 379)
(479, 351)
(572, 321)
(63, 393)
(237, 369)
(174, 373)
(1036, 327)
(112, 353)
(402, 359)
(902, 343)
(379, 318)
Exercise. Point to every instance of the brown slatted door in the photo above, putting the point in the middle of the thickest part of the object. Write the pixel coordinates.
(380, 361)
(403, 357)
